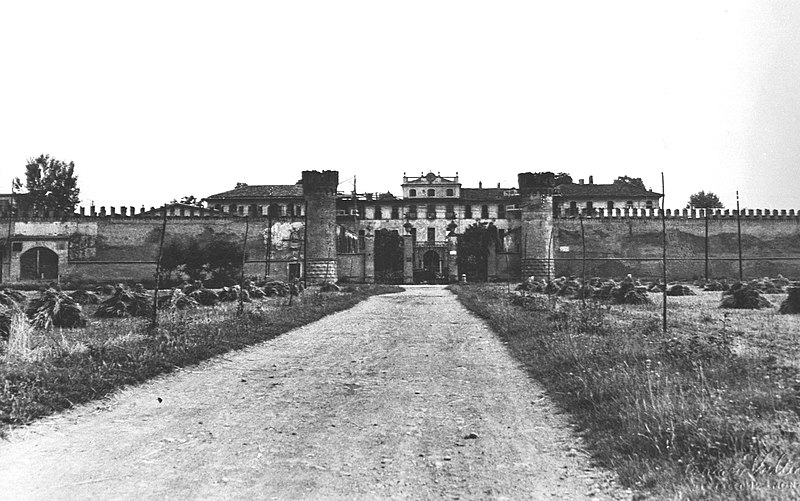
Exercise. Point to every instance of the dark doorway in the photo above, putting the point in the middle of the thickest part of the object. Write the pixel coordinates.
(294, 270)
(388, 257)
(39, 263)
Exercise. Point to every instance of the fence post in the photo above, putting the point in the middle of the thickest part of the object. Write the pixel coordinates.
(154, 321)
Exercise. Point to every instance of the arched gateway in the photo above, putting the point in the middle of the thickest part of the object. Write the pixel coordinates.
(38, 263)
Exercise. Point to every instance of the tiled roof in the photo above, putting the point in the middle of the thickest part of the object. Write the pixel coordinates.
(619, 190)
(479, 194)
(262, 191)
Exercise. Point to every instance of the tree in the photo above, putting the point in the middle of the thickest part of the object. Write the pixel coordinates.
(633, 181)
(473, 250)
(52, 184)
(703, 200)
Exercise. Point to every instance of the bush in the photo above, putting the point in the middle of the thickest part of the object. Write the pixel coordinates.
(52, 308)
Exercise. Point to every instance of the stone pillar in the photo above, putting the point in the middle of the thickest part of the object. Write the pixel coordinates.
(369, 257)
(452, 257)
(319, 190)
(408, 259)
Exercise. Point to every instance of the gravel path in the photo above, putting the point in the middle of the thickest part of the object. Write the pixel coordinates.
(403, 396)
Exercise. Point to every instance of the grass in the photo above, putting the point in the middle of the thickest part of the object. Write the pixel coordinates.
(707, 411)
(46, 371)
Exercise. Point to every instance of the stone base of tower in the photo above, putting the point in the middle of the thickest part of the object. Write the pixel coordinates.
(539, 268)
(321, 270)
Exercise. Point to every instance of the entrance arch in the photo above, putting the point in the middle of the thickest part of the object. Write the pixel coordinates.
(38, 263)
(431, 262)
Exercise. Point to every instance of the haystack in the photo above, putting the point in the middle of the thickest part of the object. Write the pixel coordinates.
(125, 303)
(6, 314)
(531, 285)
(253, 290)
(627, 292)
(791, 305)
(85, 297)
(52, 308)
(276, 288)
(228, 294)
(330, 287)
(765, 286)
(204, 297)
(680, 290)
(177, 300)
(743, 296)
(716, 286)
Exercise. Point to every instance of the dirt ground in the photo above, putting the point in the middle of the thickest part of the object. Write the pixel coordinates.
(404, 396)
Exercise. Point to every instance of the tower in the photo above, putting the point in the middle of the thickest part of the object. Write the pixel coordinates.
(319, 190)
(536, 193)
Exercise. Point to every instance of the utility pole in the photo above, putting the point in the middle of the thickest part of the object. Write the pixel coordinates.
(664, 254)
(739, 233)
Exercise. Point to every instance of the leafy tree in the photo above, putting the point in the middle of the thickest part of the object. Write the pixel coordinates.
(633, 181)
(473, 250)
(388, 256)
(703, 200)
(52, 184)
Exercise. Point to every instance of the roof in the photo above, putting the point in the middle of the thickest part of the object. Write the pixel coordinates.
(482, 194)
(620, 190)
(261, 191)
(178, 205)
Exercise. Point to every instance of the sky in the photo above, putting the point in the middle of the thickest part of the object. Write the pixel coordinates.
(156, 100)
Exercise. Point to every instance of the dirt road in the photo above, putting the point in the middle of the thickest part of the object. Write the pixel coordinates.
(404, 396)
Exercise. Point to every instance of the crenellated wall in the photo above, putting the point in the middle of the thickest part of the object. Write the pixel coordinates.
(618, 245)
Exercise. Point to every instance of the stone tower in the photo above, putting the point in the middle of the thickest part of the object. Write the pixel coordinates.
(319, 190)
(536, 193)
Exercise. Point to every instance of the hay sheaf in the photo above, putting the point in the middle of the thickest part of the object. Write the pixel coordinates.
(9, 297)
(6, 315)
(85, 297)
(744, 296)
(125, 303)
(228, 294)
(52, 308)
(680, 290)
(177, 300)
(628, 292)
(204, 297)
(791, 305)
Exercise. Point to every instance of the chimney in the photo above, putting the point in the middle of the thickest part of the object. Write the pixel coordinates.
(498, 186)
(480, 184)
(580, 181)
(591, 179)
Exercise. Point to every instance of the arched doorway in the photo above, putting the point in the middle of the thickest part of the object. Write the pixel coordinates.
(39, 263)
(432, 265)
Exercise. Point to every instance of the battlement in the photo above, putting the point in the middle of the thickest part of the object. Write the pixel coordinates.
(688, 214)
(130, 212)
(325, 181)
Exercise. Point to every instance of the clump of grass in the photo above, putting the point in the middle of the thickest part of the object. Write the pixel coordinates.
(125, 302)
(52, 308)
(682, 416)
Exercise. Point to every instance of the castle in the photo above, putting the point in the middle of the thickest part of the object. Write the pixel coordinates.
(311, 231)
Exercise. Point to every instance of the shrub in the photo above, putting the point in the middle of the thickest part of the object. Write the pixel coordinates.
(52, 308)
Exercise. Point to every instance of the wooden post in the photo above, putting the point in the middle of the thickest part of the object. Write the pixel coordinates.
(154, 321)
(705, 211)
(240, 309)
(664, 255)
(739, 233)
(583, 245)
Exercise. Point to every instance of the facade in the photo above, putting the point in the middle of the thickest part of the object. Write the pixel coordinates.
(310, 231)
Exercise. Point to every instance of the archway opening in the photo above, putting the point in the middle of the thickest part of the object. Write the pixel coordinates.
(38, 263)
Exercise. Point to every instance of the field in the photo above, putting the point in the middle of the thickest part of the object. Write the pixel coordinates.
(46, 371)
(708, 410)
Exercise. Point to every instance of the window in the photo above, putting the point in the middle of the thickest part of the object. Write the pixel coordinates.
(412, 193)
(501, 234)
(467, 211)
(450, 211)
(431, 193)
(412, 212)
(413, 232)
(232, 208)
(218, 207)
(431, 234)
(484, 212)
(649, 204)
(590, 208)
(501, 211)
(378, 214)
(274, 210)
(431, 209)
(629, 204)
(294, 270)
(241, 210)
(610, 206)
(395, 212)
(573, 207)
(449, 192)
